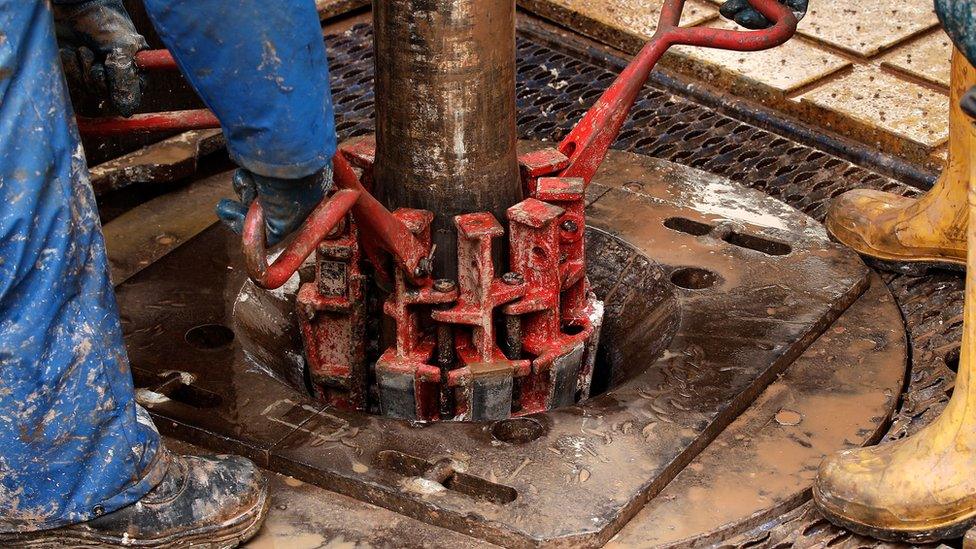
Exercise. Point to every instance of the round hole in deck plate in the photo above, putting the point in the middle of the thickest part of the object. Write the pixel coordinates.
(518, 430)
(208, 337)
(694, 278)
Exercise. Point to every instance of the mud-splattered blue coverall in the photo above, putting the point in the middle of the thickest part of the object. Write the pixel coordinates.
(73, 442)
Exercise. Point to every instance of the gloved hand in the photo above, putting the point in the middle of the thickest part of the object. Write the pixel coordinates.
(286, 202)
(99, 43)
(744, 14)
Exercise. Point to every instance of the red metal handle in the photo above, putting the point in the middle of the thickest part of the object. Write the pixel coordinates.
(587, 144)
(156, 60)
(196, 119)
(320, 222)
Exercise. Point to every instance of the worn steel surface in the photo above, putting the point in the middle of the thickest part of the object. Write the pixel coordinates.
(304, 516)
(762, 465)
(168, 160)
(733, 338)
(445, 111)
(143, 234)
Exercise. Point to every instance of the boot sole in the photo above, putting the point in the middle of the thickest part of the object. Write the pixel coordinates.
(911, 265)
(226, 536)
(928, 534)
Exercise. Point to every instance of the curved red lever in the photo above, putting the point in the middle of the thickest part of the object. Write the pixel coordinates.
(319, 224)
(587, 144)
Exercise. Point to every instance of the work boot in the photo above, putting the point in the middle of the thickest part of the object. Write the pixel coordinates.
(922, 488)
(203, 502)
(909, 235)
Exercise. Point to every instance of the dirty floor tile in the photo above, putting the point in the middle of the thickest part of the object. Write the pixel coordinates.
(926, 57)
(866, 28)
(880, 100)
(785, 68)
(632, 17)
(331, 8)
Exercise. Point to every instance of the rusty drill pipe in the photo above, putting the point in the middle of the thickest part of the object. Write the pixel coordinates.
(445, 112)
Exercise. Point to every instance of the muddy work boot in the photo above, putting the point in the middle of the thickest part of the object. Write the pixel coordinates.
(910, 235)
(921, 488)
(203, 502)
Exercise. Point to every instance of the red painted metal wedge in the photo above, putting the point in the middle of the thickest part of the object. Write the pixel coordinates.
(381, 227)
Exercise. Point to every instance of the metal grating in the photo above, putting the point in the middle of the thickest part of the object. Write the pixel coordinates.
(555, 89)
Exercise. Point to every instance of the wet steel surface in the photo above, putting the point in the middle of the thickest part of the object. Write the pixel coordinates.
(834, 396)
(754, 282)
(303, 516)
(149, 231)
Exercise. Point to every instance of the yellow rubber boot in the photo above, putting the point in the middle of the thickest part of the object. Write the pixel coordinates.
(922, 488)
(908, 234)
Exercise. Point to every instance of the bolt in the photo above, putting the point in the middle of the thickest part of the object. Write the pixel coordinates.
(336, 252)
(424, 266)
(513, 279)
(165, 240)
(569, 226)
(444, 285)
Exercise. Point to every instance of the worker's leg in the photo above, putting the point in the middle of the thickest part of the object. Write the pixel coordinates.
(73, 444)
(261, 67)
(76, 452)
(923, 487)
(920, 488)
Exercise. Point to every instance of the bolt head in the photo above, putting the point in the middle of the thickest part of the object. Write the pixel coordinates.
(569, 226)
(513, 279)
(424, 267)
(444, 285)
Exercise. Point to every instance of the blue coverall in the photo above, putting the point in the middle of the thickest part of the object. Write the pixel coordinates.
(73, 442)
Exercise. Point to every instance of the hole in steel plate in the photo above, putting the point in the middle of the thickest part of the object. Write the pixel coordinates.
(687, 226)
(208, 337)
(762, 245)
(517, 430)
(571, 329)
(694, 278)
(952, 359)
(419, 470)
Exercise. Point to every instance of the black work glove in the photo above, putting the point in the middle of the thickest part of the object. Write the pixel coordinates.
(99, 43)
(744, 14)
(285, 202)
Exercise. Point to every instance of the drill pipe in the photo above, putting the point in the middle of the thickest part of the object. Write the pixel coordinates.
(445, 112)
